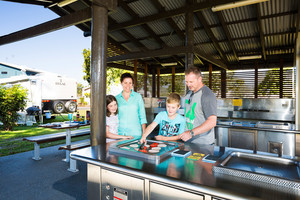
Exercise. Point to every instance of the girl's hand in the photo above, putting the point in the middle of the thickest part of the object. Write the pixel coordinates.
(129, 137)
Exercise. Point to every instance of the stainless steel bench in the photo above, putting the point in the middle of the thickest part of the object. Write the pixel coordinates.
(72, 147)
(37, 140)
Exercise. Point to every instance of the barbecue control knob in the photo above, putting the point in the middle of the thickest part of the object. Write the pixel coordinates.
(107, 197)
(107, 187)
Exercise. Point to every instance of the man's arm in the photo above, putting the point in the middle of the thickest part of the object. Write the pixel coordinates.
(203, 128)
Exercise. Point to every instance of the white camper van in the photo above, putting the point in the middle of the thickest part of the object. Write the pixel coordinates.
(50, 92)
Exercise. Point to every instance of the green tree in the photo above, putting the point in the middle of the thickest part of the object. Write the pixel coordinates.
(270, 85)
(12, 100)
(79, 89)
(112, 74)
(235, 87)
(87, 65)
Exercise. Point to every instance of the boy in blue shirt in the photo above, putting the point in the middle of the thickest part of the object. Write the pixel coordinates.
(171, 124)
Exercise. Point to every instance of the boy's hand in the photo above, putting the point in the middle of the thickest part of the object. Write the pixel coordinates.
(159, 137)
(143, 140)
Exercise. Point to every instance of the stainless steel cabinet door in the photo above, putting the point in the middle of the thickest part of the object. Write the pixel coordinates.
(159, 192)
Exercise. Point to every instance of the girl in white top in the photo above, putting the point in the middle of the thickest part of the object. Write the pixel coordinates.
(112, 120)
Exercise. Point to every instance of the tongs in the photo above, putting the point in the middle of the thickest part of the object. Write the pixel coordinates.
(142, 146)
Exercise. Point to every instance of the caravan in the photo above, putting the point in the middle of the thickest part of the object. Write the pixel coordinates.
(50, 92)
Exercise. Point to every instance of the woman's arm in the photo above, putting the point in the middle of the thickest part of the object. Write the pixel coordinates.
(142, 112)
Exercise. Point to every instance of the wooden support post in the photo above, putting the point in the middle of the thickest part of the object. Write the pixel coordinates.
(210, 76)
(189, 36)
(256, 80)
(135, 63)
(223, 83)
(281, 79)
(153, 83)
(145, 80)
(158, 81)
(173, 79)
(98, 74)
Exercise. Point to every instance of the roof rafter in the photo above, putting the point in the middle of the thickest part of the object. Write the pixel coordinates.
(208, 58)
(50, 26)
(167, 14)
(227, 33)
(211, 36)
(296, 38)
(145, 26)
(261, 35)
(151, 53)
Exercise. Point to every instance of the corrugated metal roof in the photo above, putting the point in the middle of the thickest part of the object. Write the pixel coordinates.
(280, 40)
(131, 47)
(118, 36)
(172, 4)
(210, 17)
(278, 19)
(137, 32)
(246, 29)
(180, 21)
(151, 44)
(277, 24)
(247, 45)
(173, 40)
(120, 15)
(225, 47)
(219, 33)
(201, 36)
(277, 6)
(240, 13)
(143, 8)
(160, 27)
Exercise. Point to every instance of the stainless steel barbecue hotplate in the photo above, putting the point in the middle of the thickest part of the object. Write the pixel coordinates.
(268, 169)
(154, 152)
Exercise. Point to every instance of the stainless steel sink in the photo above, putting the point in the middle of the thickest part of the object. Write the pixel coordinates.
(264, 168)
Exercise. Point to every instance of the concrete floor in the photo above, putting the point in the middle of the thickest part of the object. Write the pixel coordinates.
(22, 178)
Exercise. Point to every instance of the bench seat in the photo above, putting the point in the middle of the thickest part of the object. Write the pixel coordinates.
(72, 147)
(76, 145)
(37, 140)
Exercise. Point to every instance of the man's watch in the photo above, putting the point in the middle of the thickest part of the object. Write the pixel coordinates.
(192, 133)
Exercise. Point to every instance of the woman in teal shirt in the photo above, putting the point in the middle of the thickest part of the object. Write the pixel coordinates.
(132, 115)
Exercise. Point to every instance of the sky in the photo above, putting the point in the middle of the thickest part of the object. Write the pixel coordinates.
(58, 52)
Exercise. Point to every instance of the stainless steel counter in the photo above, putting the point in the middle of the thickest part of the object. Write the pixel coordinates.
(281, 141)
(182, 174)
(260, 129)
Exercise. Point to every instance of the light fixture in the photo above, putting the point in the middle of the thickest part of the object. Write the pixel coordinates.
(168, 64)
(235, 4)
(250, 57)
(65, 2)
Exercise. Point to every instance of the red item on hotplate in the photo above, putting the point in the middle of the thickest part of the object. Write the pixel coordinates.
(154, 144)
(143, 150)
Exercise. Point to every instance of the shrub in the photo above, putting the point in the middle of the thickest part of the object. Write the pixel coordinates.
(12, 99)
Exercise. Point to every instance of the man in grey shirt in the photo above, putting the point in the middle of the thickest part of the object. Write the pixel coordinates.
(200, 109)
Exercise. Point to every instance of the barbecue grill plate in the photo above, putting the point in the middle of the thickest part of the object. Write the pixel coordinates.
(118, 149)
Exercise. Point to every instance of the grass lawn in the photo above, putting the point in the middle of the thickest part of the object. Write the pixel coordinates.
(11, 141)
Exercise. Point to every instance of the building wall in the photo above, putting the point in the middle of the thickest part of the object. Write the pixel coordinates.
(6, 71)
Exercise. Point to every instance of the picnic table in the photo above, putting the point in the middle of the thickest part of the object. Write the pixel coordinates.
(67, 126)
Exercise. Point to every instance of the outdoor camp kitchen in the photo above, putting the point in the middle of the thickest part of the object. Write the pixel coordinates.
(248, 54)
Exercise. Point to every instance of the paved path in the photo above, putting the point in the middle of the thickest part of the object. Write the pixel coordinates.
(22, 178)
